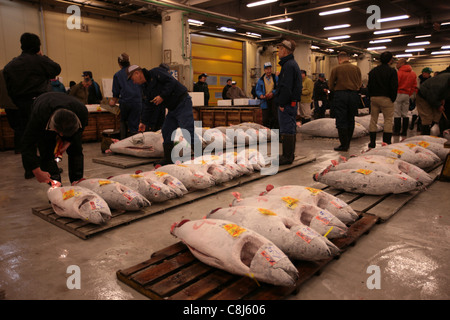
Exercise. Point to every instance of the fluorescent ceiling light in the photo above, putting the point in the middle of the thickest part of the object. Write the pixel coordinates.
(387, 31)
(424, 36)
(424, 43)
(226, 29)
(253, 35)
(260, 3)
(393, 18)
(315, 47)
(377, 48)
(441, 52)
(380, 41)
(415, 50)
(195, 22)
(445, 23)
(339, 37)
(325, 13)
(279, 21)
(337, 27)
(403, 55)
(445, 47)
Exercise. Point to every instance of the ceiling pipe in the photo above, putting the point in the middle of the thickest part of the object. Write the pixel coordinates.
(255, 25)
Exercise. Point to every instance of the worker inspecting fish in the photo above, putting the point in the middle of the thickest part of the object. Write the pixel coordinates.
(55, 115)
(161, 88)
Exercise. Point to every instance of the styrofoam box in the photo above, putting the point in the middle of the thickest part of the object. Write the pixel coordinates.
(221, 103)
(197, 99)
(240, 102)
(254, 102)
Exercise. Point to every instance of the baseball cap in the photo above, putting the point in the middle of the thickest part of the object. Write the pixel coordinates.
(267, 65)
(321, 75)
(290, 45)
(427, 70)
(87, 73)
(202, 75)
(132, 69)
(233, 82)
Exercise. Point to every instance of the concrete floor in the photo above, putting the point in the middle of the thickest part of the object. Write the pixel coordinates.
(411, 248)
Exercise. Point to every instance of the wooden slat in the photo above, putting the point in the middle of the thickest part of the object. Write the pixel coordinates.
(123, 161)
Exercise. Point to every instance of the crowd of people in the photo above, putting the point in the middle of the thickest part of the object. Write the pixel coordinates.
(45, 116)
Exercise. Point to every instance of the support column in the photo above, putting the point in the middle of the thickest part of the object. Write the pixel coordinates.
(364, 62)
(302, 55)
(176, 45)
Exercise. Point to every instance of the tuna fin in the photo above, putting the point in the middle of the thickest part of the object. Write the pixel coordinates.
(138, 171)
(214, 210)
(177, 224)
(269, 187)
(237, 195)
(334, 163)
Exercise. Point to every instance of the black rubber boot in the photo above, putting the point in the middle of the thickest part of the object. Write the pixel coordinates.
(387, 137)
(405, 125)
(413, 121)
(397, 126)
(343, 139)
(426, 129)
(373, 139)
(167, 155)
(288, 149)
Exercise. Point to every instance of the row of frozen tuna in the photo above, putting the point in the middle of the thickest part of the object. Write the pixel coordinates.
(395, 168)
(149, 144)
(259, 236)
(92, 199)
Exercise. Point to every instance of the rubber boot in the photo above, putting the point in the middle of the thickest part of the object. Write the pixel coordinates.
(413, 121)
(167, 155)
(426, 129)
(350, 136)
(373, 139)
(343, 139)
(397, 126)
(288, 149)
(405, 125)
(387, 137)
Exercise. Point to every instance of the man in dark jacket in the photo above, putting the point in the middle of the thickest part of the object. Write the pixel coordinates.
(320, 96)
(202, 86)
(225, 89)
(287, 95)
(26, 77)
(383, 86)
(161, 88)
(56, 118)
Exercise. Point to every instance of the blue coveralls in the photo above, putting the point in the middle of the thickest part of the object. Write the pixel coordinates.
(130, 101)
(175, 98)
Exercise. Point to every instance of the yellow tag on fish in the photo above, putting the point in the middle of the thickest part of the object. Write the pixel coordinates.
(160, 174)
(234, 230)
(364, 171)
(314, 191)
(290, 202)
(423, 144)
(68, 194)
(136, 176)
(411, 145)
(396, 151)
(104, 182)
(390, 160)
(215, 157)
(99, 108)
(182, 165)
(267, 212)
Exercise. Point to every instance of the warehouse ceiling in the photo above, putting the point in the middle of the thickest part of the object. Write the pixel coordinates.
(424, 21)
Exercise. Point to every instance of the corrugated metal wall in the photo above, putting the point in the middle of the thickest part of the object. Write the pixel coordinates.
(220, 59)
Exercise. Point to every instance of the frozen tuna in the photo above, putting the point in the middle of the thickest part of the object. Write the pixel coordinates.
(296, 240)
(434, 144)
(151, 189)
(145, 145)
(317, 197)
(326, 127)
(176, 185)
(225, 245)
(116, 195)
(321, 220)
(191, 179)
(79, 203)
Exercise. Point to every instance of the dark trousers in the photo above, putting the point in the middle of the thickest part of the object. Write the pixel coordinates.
(270, 115)
(74, 153)
(21, 115)
(319, 112)
(130, 116)
(181, 117)
(287, 119)
(345, 105)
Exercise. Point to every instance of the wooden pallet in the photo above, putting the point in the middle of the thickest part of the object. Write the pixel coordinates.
(175, 274)
(86, 230)
(123, 161)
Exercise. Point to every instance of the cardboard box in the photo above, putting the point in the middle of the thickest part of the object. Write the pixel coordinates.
(240, 102)
(222, 103)
(198, 99)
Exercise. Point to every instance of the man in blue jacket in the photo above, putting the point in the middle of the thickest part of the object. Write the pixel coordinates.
(161, 88)
(265, 89)
(287, 95)
(129, 97)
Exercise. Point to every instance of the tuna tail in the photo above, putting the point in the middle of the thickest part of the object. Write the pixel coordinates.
(177, 225)
(237, 195)
(269, 187)
(316, 176)
(332, 247)
(138, 171)
(212, 211)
